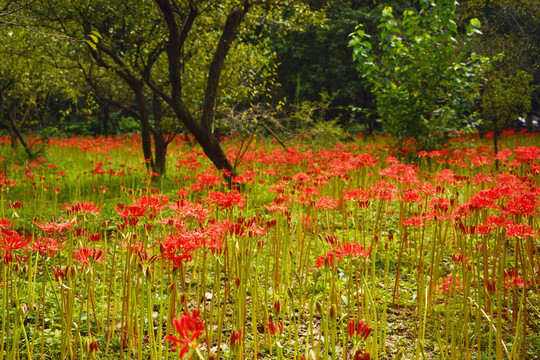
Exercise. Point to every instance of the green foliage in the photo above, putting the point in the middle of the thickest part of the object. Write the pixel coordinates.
(505, 99)
(309, 119)
(424, 79)
(510, 27)
(316, 58)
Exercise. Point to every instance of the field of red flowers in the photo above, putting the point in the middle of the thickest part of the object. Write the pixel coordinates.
(353, 251)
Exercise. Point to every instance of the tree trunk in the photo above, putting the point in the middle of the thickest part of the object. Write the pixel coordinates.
(14, 141)
(201, 130)
(496, 146)
(160, 144)
(106, 119)
(144, 118)
(14, 130)
(160, 150)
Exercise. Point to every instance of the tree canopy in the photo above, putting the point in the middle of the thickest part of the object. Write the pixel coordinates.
(180, 66)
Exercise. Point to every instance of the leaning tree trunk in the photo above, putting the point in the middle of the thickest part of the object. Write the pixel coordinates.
(201, 130)
(13, 130)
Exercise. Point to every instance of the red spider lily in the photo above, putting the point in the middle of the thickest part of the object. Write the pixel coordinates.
(209, 180)
(426, 188)
(450, 284)
(11, 240)
(484, 199)
(440, 204)
(130, 211)
(179, 248)
(414, 221)
(498, 221)
(83, 255)
(152, 203)
(327, 260)
(361, 355)
(189, 328)
(61, 274)
(236, 337)
(46, 246)
(310, 191)
(326, 203)
(511, 279)
(279, 205)
(459, 258)
(226, 201)
(355, 194)
(352, 249)
(56, 227)
(406, 174)
(9, 183)
(491, 285)
(82, 208)
(94, 237)
(246, 177)
(279, 187)
(351, 327)
(520, 230)
(411, 196)
(188, 209)
(526, 154)
(446, 176)
(483, 229)
(383, 190)
(302, 178)
(362, 330)
(274, 328)
(526, 205)
(5, 223)
(331, 240)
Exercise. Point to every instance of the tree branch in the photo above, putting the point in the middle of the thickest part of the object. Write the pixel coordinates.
(216, 67)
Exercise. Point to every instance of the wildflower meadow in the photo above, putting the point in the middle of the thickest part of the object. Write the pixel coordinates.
(352, 250)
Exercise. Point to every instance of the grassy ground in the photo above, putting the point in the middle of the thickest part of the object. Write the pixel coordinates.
(329, 252)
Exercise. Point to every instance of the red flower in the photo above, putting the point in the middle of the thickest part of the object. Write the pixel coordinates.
(273, 328)
(12, 240)
(46, 245)
(511, 278)
(363, 330)
(83, 255)
(226, 201)
(326, 203)
(450, 284)
(82, 208)
(130, 211)
(459, 258)
(55, 227)
(236, 337)
(361, 355)
(414, 221)
(5, 223)
(351, 327)
(520, 230)
(353, 249)
(153, 203)
(326, 260)
(188, 209)
(523, 205)
(189, 329)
